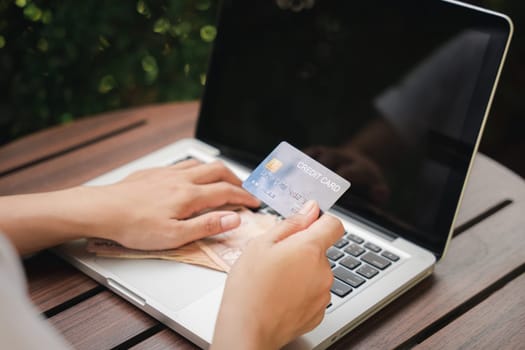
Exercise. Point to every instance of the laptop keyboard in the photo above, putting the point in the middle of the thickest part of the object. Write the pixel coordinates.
(354, 262)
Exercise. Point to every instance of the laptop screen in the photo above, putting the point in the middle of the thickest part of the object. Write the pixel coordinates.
(391, 95)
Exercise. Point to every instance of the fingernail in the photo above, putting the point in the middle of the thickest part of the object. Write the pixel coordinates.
(307, 207)
(230, 221)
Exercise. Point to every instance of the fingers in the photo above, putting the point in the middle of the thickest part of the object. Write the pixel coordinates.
(206, 225)
(212, 172)
(295, 223)
(185, 164)
(324, 232)
(218, 194)
(220, 185)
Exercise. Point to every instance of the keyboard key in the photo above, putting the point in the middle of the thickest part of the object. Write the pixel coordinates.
(355, 238)
(341, 243)
(332, 265)
(340, 289)
(390, 256)
(350, 262)
(354, 250)
(372, 247)
(348, 277)
(375, 260)
(334, 254)
(367, 271)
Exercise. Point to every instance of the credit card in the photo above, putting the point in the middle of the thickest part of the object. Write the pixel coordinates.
(287, 178)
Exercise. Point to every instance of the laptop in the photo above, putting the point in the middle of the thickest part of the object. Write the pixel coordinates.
(391, 95)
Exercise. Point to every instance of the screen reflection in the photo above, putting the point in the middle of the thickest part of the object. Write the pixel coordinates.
(391, 95)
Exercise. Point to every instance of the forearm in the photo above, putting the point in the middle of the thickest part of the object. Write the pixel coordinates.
(150, 209)
(38, 221)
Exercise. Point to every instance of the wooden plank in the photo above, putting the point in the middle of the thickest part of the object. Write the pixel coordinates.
(488, 185)
(38, 145)
(497, 323)
(162, 129)
(165, 339)
(165, 124)
(101, 322)
(477, 260)
(51, 282)
(474, 263)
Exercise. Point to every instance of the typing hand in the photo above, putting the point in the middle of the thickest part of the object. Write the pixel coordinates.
(154, 208)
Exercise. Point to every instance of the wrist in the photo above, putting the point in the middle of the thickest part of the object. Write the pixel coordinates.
(42, 220)
(90, 216)
(79, 218)
(242, 328)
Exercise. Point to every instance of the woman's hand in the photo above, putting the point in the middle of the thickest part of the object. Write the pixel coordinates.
(150, 209)
(280, 287)
(158, 208)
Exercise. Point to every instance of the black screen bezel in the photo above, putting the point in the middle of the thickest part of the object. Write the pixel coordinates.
(498, 43)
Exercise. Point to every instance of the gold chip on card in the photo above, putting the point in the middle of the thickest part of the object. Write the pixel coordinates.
(274, 165)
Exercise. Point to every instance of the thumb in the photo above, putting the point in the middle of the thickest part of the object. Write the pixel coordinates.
(324, 232)
(295, 223)
(207, 224)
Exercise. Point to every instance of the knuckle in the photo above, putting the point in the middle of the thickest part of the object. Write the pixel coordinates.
(314, 253)
(294, 223)
(328, 281)
(326, 299)
(317, 320)
(217, 165)
(224, 171)
(193, 191)
(223, 186)
(231, 189)
(313, 249)
(226, 190)
(338, 225)
(334, 224)
(212, 224)
(176, 228)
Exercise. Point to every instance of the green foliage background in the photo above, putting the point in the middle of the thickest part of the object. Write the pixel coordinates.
(60, 60)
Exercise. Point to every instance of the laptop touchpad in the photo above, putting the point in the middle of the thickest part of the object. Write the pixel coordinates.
(168, 283)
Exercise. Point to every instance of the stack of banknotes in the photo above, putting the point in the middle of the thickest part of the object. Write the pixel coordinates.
(218, 252)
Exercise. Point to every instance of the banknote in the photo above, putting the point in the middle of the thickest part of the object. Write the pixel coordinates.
(218, 252)
(225, 248)
(189, 253)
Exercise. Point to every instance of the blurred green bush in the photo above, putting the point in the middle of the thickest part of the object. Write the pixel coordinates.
(60, 60)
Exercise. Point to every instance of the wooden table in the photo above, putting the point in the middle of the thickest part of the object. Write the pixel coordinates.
(474, 299)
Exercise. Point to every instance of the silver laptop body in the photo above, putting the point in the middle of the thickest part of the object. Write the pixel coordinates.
(186, 298)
